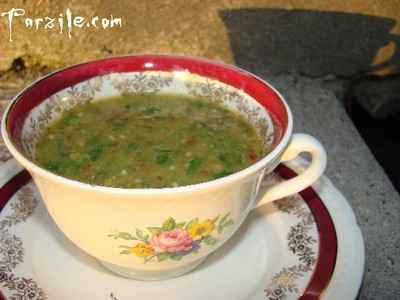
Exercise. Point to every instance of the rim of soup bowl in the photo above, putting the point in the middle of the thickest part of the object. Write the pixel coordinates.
(211, 184)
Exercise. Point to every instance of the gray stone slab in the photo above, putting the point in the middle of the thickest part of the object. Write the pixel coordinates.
(354, 170)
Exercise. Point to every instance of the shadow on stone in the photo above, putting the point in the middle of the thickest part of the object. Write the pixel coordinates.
(311, 43)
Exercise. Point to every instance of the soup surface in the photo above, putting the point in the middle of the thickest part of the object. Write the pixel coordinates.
(148, 140)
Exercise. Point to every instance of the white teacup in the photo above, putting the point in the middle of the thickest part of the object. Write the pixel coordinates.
(157, 233)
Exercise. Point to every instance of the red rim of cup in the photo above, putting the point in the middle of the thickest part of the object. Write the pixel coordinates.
(259, 90)
(40, 90)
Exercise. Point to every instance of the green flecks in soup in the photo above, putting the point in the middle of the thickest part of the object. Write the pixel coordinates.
(148, 140)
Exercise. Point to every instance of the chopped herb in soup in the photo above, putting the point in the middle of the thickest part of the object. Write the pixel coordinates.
(148, 140)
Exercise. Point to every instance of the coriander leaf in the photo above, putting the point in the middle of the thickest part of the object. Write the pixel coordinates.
(194, 166)
(95, 152)
(162, 158)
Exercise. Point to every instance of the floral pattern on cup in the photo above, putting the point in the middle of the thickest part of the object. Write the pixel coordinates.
(173, 240)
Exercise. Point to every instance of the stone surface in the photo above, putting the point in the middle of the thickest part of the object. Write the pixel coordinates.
(379, 96)
(311, 37)
(355, 172)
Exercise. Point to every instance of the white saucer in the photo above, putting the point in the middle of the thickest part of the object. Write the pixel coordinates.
(276, 254)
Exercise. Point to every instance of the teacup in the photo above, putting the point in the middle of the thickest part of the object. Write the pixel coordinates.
(157, 233)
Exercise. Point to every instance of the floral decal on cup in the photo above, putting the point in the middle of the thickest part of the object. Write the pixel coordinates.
(173, 240)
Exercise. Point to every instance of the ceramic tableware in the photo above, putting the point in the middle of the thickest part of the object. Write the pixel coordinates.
(158, 233)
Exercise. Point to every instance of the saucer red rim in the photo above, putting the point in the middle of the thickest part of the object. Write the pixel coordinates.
(326, 230)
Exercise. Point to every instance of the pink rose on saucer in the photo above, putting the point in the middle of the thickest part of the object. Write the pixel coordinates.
(172, 241)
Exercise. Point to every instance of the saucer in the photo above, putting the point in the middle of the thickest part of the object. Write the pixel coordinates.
(306, 246)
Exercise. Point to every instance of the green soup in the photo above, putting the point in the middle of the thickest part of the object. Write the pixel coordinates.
(148, 140)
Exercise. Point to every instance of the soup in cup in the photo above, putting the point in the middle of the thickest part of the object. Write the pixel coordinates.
(155, 231)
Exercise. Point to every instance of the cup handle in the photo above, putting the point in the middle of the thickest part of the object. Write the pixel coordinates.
(298, 144)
